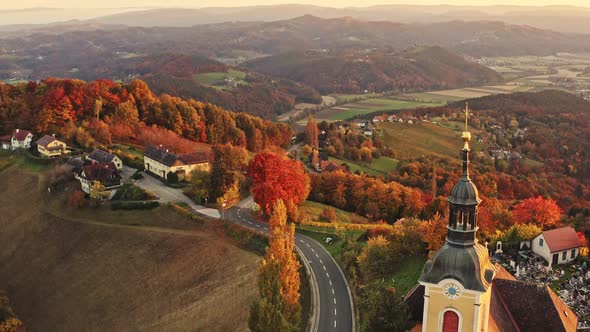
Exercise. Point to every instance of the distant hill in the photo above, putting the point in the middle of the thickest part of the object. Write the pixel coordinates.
(423, 68)
(236, 41)
(559, 18)
(170, 73)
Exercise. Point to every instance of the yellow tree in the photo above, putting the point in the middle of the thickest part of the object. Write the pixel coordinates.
(98, 191)
(311, 132)
(281, 250)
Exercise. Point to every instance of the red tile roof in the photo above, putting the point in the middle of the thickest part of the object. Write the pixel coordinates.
(6, 138)
(20, 134)
(561, 239)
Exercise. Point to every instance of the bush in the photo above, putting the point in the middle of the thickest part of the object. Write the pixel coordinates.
(245, 237)
(118, 205)
(186, 212)
(172, 178)
(129, 192)
(137, 175)
(77, 199)
(328, 215)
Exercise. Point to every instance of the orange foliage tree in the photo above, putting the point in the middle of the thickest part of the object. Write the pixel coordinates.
(433, 232)
(281, 249)
(276, 177)
(538, 211)
(311, 132)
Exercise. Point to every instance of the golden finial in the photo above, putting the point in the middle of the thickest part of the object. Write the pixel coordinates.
(466, 134)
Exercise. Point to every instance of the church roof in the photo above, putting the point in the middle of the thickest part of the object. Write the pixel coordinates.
(471, 266)
(464, 193)
(521, 306)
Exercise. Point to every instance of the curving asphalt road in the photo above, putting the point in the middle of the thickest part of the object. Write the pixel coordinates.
(335, 307)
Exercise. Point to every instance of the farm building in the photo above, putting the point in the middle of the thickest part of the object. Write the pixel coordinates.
(49, 146)
(160, 161)
(557, 246)
(103, 157)
(19, 139)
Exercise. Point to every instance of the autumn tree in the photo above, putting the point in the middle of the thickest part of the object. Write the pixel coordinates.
(538, 211)
(98, 191)
(282, 250)
(76, 199)
(276, 177)
(375, 259)
(384, 309)
(266, 314)
(433, 232)
(311, 132)
(520, 232)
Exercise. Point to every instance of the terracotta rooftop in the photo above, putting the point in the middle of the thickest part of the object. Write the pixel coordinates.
(561, 239)
(20, 134)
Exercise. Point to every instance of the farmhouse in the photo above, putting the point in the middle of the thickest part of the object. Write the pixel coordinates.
(557, 246)
(160, 161)
(49, 146)
(19, 139)
(104, 174)
(103, 157)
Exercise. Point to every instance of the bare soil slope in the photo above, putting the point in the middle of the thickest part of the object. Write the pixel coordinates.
(82, 274)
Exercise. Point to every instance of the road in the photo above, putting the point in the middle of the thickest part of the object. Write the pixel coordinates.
(331, 294)
(171, 195)
(335, 307)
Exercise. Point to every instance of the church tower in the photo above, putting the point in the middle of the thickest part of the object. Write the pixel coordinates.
(457, 280)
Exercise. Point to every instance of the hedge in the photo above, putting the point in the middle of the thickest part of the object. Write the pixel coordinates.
(185, 212)
(118, 205)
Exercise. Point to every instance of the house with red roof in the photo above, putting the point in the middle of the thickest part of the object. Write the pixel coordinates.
(106, 174)
(18, 139)
(557, 246)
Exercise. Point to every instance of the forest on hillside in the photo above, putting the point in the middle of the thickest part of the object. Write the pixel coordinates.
(416, 69)
(104, 111)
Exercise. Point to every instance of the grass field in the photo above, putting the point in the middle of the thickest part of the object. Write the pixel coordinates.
(217, 79)
(380, 166)
(350, 110)
(407, 276)
(424, 139)
(345, 98)
(95, 269)
(314, 210)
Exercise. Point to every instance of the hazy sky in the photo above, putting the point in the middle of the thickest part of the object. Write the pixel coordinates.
(9, 4)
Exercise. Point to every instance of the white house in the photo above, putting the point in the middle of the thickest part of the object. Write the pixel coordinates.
(160, 161)
(103, 157)
(105, 174)
(19, 139)
(557, 246)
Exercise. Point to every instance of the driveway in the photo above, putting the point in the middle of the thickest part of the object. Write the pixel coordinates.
(171, 195)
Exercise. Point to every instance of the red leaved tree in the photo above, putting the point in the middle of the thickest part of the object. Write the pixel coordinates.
(538, 211)
(276, 177)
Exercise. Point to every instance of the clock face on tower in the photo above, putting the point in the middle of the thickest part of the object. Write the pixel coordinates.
(452, 291)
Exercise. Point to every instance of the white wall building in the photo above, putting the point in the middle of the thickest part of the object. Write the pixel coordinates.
(557, 246)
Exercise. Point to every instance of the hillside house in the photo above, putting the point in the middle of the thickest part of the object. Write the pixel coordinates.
(379, 119)
(49, 146)
(103, 157)
(18, 139)
(160, 161)
(557, 246)
(107, 175)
